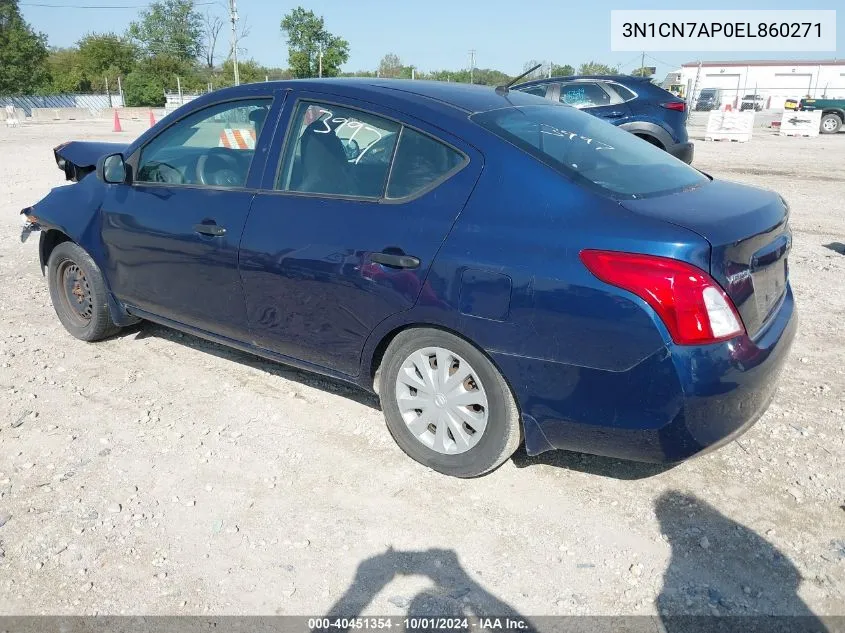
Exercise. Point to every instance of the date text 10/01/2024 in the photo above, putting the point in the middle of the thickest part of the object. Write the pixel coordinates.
(420, 623)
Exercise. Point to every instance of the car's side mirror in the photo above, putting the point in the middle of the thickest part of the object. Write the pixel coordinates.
(112, 169)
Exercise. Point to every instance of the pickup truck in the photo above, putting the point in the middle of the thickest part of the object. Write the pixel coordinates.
(833, 113)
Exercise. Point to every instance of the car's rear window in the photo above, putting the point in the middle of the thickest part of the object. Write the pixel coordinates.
(590, 151)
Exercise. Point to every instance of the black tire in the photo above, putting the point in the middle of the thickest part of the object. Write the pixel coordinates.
(78, 293)
(500, 438)
(830, 124)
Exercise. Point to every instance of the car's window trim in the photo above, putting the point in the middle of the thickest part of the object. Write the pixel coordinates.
(383, 199)
(134, 159)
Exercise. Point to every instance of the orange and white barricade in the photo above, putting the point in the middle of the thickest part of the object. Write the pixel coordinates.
(237, 138)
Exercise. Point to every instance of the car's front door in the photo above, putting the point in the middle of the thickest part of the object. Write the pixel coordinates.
(593, 97)
(171, 235)
(348, 226)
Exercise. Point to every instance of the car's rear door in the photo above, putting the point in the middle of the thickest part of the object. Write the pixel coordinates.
(171, 236)
(342, 234)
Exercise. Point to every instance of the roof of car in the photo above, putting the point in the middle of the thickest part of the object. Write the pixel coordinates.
(467, 97)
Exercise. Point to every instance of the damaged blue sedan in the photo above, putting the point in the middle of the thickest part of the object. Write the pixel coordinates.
(499, 269)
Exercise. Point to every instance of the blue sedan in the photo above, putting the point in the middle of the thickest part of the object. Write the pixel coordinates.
(500, 269)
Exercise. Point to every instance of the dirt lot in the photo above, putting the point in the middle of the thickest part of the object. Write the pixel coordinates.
(156, 473)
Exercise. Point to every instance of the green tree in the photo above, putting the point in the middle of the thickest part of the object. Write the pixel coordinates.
(249, 72)
(23, 53)
(596, 68)
(307, 36)
(645, 71)
(104, 57)
(146, 84)
(390, 66)
(65, 69)
(562, 71)
(169, 27)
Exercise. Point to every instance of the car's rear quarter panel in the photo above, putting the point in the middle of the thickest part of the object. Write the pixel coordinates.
(574, 350)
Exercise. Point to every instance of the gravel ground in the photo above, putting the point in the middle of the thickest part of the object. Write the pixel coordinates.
(155, 473)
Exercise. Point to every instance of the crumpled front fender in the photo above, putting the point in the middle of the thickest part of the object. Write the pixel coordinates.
(72, 210)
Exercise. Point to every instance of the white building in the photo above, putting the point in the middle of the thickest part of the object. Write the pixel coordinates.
(776, 80)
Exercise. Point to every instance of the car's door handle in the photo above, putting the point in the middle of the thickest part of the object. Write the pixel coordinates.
(210, 229)
(395, 261)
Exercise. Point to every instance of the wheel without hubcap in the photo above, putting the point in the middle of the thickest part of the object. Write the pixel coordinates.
(78, 292)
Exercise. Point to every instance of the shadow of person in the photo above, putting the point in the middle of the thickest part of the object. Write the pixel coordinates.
(724, 577)
(453, 594)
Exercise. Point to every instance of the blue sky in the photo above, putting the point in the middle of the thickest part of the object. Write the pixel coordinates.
(435, 34)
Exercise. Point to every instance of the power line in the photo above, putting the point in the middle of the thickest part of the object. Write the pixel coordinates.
(97, 6)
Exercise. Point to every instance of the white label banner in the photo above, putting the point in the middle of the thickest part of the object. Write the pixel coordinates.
(723, 30)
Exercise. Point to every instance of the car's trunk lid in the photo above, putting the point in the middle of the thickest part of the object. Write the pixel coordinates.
(749, 234)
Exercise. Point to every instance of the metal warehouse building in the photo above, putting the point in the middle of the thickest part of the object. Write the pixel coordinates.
(775, 80)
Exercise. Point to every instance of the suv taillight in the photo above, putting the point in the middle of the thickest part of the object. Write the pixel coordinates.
(694, 308)
(680, 106)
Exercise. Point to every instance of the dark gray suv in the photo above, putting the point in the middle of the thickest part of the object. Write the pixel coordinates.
(635, 104)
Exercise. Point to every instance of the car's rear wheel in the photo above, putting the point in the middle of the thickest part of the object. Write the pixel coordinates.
(78, 293)
(446, 404)
(830, 124)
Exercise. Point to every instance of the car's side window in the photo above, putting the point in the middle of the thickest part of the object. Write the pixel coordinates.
(338, 151)
(624, 93)
(213, 146)
(582, 94)
(540, 91)
(420, 161)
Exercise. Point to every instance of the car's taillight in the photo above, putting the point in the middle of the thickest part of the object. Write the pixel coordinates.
(680, 106)
(691, 304)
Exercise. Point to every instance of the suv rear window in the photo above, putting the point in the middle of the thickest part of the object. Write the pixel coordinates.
(590, 151)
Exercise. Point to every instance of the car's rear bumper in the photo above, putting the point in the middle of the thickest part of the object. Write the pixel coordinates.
(679, 402)
(683, 151)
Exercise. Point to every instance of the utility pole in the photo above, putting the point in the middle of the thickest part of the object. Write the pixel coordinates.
(642, 64)
(320, 72)
(550, 70)
(120, 91)
(233, 16)
(472, 66)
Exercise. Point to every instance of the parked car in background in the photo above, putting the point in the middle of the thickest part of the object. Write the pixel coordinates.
(791, 104)
(709, 99)
(634, 104)
(753, 102)
(833, 113)
(498, 268)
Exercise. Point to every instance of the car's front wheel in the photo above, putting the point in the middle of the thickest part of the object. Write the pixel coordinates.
(78, 293)
(446, 404)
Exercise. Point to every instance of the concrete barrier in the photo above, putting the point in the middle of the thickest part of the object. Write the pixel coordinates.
(61, 114)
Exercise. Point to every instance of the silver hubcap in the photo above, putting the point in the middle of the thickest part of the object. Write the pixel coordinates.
(829, 124)
(442, 400)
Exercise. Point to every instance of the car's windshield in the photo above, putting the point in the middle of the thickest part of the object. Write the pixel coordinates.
(590, 151)
(706, 94)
